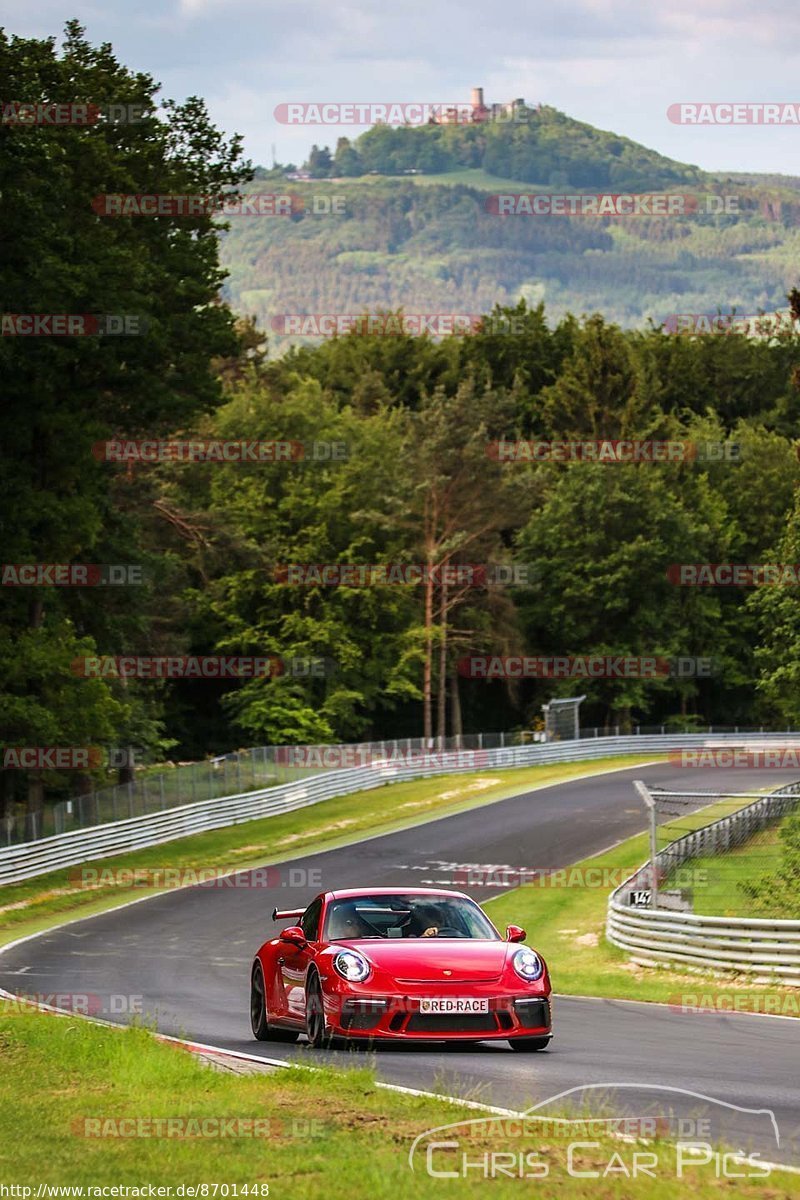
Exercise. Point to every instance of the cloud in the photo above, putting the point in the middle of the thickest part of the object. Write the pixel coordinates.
(617, 63)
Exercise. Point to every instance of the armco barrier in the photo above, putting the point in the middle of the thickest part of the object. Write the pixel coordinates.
(768, 947)
(28, 859)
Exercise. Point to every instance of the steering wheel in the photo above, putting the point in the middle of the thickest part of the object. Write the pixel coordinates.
(449, 931)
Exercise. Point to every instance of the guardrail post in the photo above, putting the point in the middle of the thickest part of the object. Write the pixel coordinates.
(646, 795)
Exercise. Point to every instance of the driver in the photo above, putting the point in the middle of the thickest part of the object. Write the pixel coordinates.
(426, 921)
(346, 923)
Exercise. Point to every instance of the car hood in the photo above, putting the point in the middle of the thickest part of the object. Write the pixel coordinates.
(427, 960)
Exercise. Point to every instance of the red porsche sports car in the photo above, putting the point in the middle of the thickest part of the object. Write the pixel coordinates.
(394, 964)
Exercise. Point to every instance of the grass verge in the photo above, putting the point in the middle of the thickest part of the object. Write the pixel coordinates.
(36, 904)
(91, 1107)
(716, 892)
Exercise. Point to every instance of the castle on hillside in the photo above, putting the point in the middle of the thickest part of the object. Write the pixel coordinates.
(476, 111)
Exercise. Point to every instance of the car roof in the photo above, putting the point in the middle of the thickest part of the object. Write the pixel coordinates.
(352, 893)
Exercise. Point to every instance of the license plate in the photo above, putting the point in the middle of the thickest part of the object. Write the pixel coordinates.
(453, 1004)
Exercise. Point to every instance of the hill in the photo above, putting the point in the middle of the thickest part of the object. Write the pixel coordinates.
(429, 242)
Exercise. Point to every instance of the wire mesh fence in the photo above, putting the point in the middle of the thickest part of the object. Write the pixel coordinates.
(165, 786)
(157, 788)
(711, 848)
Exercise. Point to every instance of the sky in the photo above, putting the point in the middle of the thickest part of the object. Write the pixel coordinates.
(616, 64)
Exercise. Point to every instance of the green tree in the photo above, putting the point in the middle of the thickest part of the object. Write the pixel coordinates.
(63, 394)
(319, 162)
(604, 540)
(777, 612)
(347, 161)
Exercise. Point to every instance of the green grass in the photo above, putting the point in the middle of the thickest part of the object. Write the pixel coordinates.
(714, 880)
(716, 891)
(474, 177)
(321, 1134)
(39, 903)
(566, 922)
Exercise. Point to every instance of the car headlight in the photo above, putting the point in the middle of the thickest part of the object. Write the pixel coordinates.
(528, 965)
(352, 966)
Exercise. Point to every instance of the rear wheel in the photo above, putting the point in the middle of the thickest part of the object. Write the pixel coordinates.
(262, 1030)
(539, 1043)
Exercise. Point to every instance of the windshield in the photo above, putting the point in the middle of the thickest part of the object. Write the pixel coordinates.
(406, 916)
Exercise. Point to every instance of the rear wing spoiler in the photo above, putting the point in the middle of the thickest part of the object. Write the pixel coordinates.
(284, 914)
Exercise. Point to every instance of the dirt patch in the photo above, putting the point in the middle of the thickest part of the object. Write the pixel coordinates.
(42, 898)
(479, 785)
(314, 833)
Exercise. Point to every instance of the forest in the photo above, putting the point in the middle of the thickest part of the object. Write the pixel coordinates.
(381, 450)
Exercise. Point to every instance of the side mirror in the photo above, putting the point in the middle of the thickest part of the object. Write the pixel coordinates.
(294, 936)
(515, 933)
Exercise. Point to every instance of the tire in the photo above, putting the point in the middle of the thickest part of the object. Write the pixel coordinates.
(538, 1043)
(262, 1030)
(316, 1030)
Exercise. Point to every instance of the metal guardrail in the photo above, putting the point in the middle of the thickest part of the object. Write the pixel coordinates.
(155, 789)
(152, 790)
(29, 859)
(770, 947)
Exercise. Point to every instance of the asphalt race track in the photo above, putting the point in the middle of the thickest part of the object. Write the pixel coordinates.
(188, 954)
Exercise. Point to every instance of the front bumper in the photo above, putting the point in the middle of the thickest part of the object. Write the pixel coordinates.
(400, 1018)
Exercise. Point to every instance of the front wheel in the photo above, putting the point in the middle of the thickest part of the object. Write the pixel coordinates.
(262, 1030)
(540, 1043)
(316, 1030)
